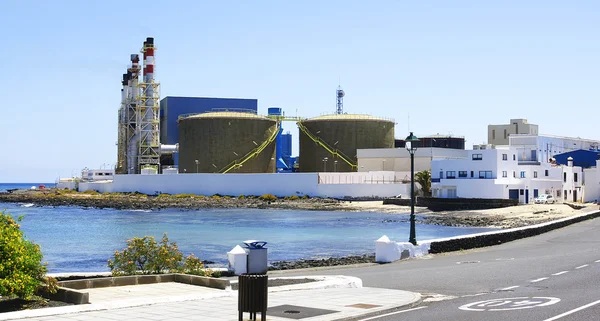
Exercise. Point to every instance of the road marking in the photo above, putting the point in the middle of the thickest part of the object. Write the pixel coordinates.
(509, 288)
(508, 304)
(538, 280)
(597, 261)
(385, 315)
(573, 311)
(581, 267)
(559, 273)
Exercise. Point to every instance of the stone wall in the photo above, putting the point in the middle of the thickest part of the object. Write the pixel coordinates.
(454, 204)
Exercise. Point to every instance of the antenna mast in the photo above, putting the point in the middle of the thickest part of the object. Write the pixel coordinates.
(340, 100)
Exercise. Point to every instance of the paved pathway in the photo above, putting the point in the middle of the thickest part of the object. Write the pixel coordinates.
(332, 299)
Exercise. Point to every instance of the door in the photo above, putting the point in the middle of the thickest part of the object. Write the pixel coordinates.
(534, 155)
(575, 195)
(513, 194)
(535, 193)
(526, 196)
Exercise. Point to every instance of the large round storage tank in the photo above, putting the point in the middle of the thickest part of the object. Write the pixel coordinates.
(343, 132)
(218, 139)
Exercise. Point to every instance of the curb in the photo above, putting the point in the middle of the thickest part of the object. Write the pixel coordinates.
(417, 301)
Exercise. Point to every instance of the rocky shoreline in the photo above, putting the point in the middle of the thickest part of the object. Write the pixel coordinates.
(130, 201)
(331, 261)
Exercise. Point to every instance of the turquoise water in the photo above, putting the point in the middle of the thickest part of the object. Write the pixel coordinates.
(78, 239)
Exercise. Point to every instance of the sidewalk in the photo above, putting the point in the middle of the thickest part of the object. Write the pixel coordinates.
(331, 298)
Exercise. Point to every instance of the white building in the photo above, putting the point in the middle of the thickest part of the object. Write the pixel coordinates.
(540, 148)
(398, 159)
(591, 181)
(497, 173)
(499, 134)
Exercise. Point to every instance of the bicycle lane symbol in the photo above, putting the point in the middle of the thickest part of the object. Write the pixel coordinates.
(508, 304)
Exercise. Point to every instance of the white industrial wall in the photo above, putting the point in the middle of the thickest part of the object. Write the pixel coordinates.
(398, 159)
(243, 184)
(591, 189)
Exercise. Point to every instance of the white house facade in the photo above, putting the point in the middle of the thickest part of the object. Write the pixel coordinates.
(398, 159)
(540, 148)
(591, 181)
(498, 173)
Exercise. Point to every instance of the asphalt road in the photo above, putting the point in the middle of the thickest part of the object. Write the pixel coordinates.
(554, 276)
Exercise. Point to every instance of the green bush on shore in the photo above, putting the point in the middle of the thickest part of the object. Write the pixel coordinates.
(144, 255)
(22, 273)
(268, 197)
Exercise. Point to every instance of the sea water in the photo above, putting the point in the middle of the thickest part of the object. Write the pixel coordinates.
(83, 239)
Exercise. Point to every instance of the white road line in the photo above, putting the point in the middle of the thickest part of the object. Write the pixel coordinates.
(385, 315)
(573, 311)
(559, 273)
(538, 280)
(509, 288)
(597, 261)
(580, 267)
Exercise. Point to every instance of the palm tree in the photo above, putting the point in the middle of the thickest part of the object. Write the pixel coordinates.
(424, 179)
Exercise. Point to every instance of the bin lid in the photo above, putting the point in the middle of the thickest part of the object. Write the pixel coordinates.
(255, 244)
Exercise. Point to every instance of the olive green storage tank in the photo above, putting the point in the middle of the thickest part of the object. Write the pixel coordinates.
(217, 139)
(344, 133)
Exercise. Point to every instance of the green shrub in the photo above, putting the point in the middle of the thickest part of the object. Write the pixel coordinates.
(193, 265)
(305, 197)
(163, 195)
(241, 197)
(294, 198)
(216, 197)
(22, 273)
(146, 256)
(184, 196)
(91, 192)
(268, 197)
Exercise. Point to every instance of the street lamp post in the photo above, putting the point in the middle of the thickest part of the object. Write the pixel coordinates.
(196, 161)
(411, 141)
(335, 166)
(325, 164)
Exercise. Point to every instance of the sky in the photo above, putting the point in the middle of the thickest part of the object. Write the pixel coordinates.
(435, 67)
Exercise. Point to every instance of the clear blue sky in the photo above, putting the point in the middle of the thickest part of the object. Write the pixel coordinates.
(456, 66)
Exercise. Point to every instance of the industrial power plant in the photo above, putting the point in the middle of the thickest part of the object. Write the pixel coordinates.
(217, 135)
(180, 145)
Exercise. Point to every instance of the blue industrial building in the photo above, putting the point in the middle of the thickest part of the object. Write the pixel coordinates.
(172, 107)
(583, 158)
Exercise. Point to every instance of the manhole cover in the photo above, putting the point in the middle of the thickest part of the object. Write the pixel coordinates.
(296, 312)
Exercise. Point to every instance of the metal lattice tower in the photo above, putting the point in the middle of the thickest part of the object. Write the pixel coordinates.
(132, 98)
(148, 111)
(340, 100)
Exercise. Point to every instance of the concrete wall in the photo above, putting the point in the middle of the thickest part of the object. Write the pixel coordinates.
(244, 184)
(398, 159)
(591, 189)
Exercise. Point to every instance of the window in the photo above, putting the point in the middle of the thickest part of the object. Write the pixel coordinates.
(521, 192)
(505, 134)
(477, 156)
(441, 174)
(522, 174)
(558, 193)
(504, 174)
(514, 174)
(472, 174)
(504, 156)
(535, 174)
(565, 195)
(462, 174)
(546, 172)
(575, 177)
(450, 174)
(565, 177)
(99, 174)
(485, 174)
(514, 157)
(493, 134)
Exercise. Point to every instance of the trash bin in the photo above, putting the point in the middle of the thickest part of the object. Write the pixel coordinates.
(257, 257)
(252, 295)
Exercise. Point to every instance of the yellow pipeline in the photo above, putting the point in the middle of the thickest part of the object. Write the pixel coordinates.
(239, 162)
(329, 149)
